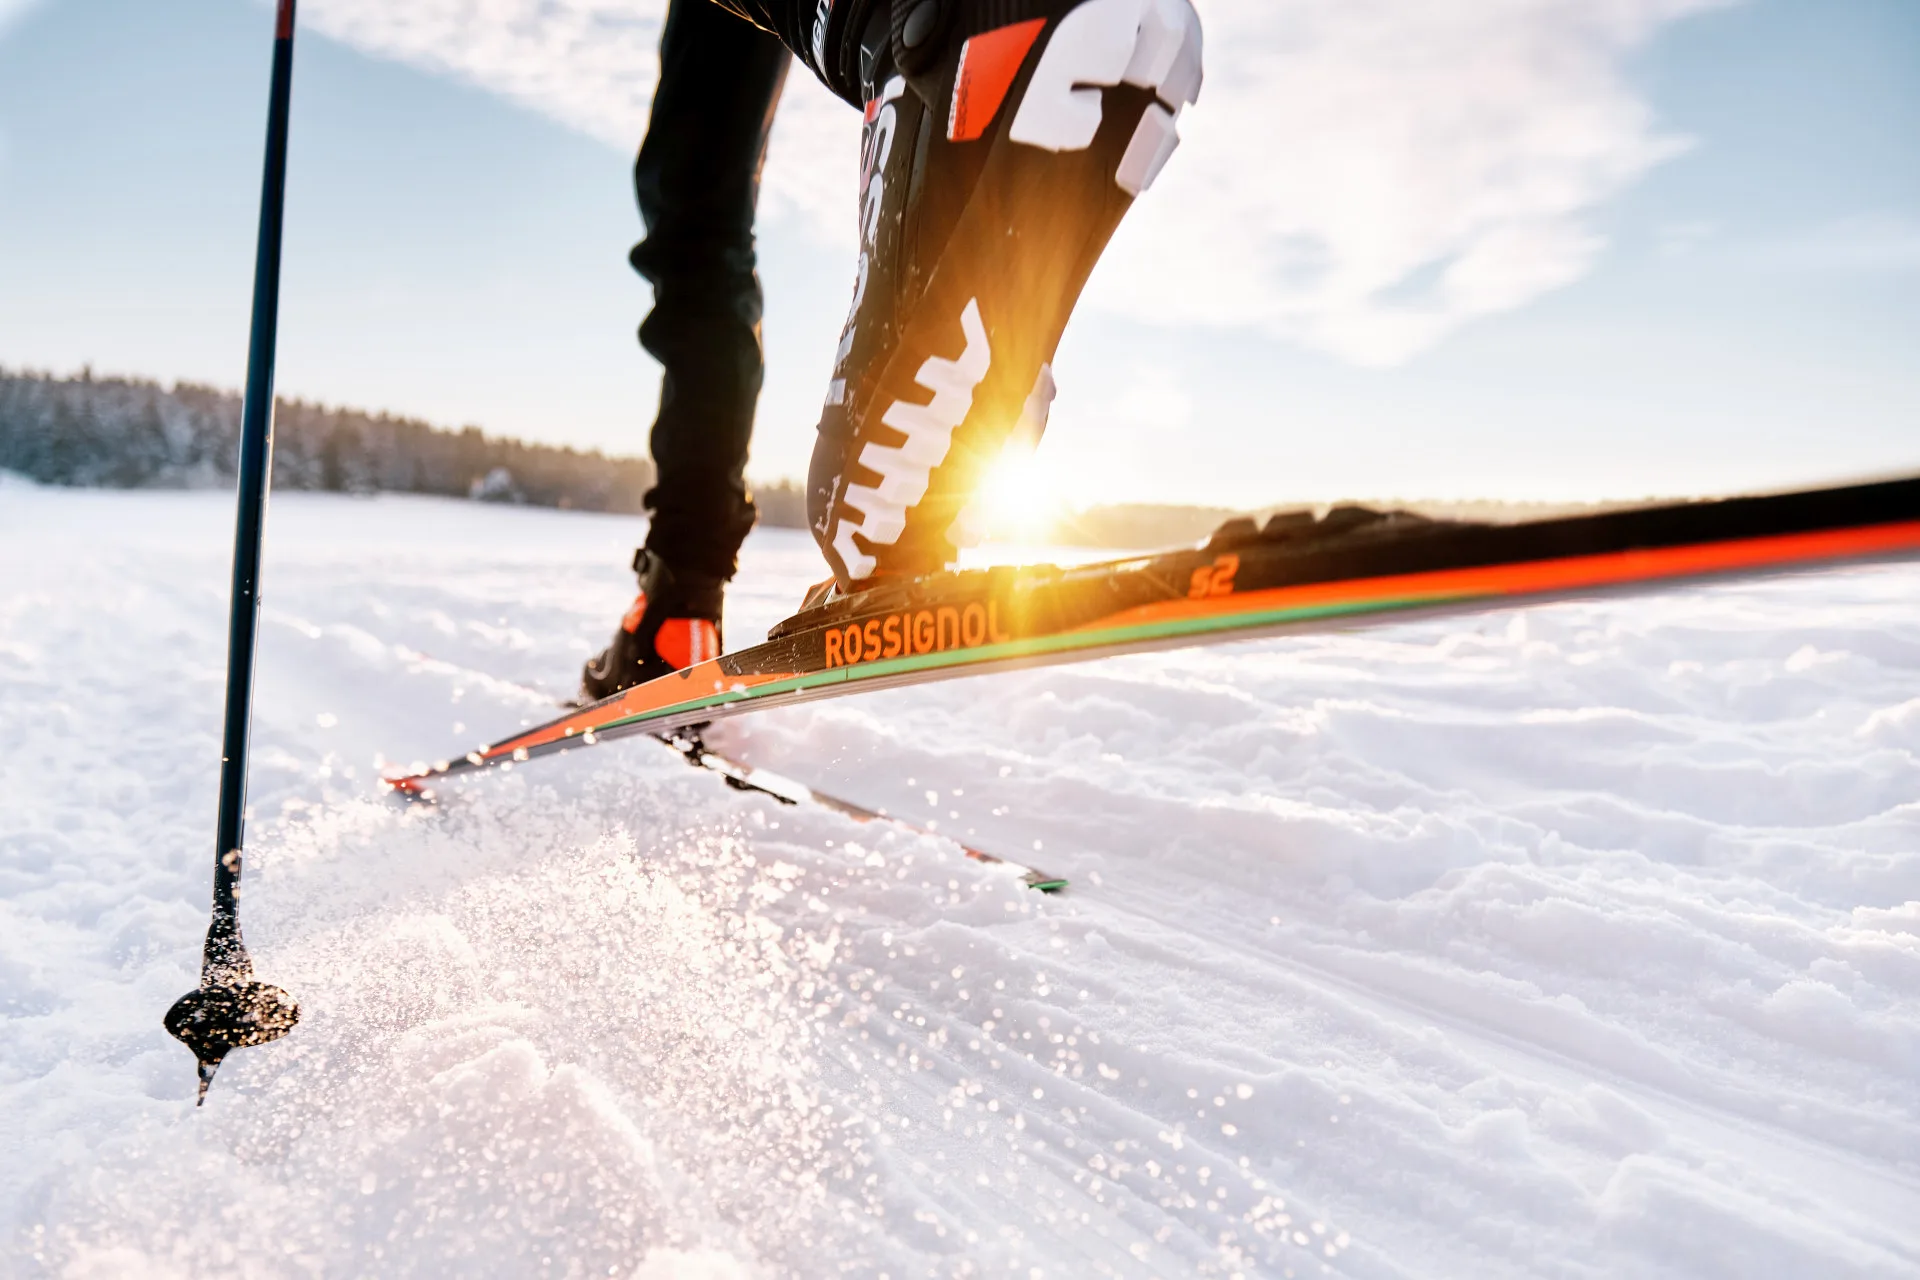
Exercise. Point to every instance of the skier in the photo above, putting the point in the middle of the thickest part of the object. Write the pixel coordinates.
(1003, 141)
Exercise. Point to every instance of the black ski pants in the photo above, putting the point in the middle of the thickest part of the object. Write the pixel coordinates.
(698, 179)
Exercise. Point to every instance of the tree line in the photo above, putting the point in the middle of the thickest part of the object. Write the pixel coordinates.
(129, 433)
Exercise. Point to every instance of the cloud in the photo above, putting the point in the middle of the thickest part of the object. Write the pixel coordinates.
(592, 65)
(1361, 176)
(1365, 176)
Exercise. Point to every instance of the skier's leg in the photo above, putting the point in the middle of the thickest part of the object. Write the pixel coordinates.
(999, 155)
(697, 179)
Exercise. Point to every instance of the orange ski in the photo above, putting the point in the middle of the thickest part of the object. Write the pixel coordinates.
(1347, 567)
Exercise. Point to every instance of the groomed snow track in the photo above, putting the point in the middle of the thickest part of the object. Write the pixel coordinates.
(1575, 941)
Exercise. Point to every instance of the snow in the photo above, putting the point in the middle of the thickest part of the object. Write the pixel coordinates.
(1581, 940)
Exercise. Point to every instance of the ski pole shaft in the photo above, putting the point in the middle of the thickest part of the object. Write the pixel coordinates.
(229, 1009)
(255, 477)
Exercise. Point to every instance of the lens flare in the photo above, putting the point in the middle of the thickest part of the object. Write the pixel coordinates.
(1019, 498)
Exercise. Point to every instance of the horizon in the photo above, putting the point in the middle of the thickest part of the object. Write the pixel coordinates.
(1015, 530)
(1549, 257)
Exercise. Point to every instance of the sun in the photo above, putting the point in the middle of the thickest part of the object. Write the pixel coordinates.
(1019, 497)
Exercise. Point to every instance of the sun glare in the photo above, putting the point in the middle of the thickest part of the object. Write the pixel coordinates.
(1020, 498)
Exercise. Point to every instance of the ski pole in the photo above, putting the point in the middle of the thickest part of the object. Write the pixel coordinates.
(230, 1009)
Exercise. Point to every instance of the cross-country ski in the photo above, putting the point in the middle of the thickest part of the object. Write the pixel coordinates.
(1301, 572)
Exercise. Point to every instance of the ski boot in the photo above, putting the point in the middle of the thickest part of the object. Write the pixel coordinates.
(1004, 141)
(673, 623)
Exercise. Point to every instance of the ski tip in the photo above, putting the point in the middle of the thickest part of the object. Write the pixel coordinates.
(1043, 882)
(409, 787)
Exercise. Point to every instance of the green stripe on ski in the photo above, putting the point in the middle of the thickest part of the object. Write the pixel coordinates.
(1062, 642)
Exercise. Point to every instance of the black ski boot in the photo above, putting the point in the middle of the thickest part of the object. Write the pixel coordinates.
(674, 623)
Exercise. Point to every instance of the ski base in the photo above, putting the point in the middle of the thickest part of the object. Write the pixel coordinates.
(741, 776)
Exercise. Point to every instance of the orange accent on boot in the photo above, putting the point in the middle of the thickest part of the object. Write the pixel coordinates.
(686, 641)
(631, 622)
(988, 64)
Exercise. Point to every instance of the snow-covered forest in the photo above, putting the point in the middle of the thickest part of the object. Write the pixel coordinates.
(128, 433)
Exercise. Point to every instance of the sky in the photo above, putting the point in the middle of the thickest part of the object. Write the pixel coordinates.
(1521, 249)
